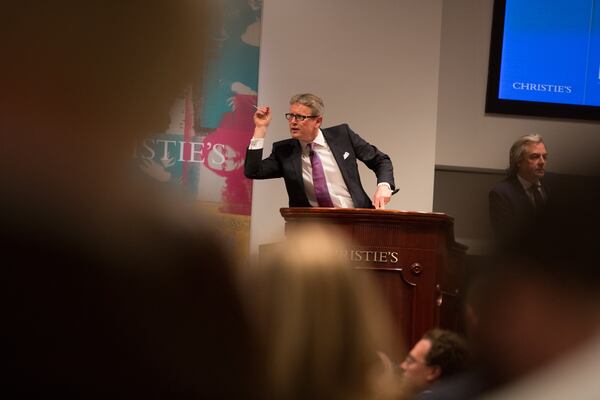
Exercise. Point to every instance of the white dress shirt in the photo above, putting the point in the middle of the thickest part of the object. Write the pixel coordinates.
(338, 191)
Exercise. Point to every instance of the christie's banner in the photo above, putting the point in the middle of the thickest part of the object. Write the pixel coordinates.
(211, 125)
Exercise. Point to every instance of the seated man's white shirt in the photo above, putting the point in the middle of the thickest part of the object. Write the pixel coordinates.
(529, 188)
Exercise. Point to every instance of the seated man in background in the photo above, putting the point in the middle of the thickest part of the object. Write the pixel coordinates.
(517, 199)
(439, 355)
(319, 166)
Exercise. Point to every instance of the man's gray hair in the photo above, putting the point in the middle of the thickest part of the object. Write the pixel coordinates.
(314, 102)
(517, 150)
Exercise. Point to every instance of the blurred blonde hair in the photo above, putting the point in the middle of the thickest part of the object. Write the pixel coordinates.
(320, 322)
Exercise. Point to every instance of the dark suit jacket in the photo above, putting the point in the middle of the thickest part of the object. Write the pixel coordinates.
(286, 161)
(510, 208)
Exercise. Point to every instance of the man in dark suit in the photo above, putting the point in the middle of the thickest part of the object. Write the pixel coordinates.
(319, 166)
(515, 201)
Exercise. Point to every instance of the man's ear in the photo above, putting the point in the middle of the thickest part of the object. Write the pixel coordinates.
(319, 121)
(434, 373)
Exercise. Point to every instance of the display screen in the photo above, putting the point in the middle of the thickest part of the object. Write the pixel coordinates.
(545, 58)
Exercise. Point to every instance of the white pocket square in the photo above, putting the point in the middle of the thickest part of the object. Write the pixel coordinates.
(346, 154)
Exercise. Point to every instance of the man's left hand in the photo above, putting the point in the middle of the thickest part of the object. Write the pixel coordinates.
(382, 196)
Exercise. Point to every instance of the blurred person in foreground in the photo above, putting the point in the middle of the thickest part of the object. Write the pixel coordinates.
(537, 307)
(109, 289)
(545, 336)
(438, 356)
(321, 322)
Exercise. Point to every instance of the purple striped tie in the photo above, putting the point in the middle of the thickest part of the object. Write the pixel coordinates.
(319, 181)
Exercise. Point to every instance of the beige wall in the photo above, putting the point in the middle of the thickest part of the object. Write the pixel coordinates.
(465, 135)
(375, 63)
(408, 75)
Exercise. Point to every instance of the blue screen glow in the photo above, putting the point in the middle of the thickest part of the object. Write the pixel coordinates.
(551, 52)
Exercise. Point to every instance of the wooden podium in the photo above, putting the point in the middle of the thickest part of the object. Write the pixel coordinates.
(413, 257)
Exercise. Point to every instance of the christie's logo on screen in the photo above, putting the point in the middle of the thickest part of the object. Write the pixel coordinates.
(542, 87)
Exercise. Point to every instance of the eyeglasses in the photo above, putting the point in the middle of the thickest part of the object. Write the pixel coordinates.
(411, 360)
(298, 117)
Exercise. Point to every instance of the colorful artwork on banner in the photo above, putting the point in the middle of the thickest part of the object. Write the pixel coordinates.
(211, 125)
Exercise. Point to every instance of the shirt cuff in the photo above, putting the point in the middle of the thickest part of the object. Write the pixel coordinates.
(256, 143)
(385, 184)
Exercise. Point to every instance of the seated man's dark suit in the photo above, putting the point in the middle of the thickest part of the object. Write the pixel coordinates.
(511, 210)
(286, 161)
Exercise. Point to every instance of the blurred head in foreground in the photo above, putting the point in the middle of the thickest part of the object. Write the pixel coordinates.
(320, 322)
(158, 319)
(540, 300)
(440, 354)
(81, 82)
(106, 294)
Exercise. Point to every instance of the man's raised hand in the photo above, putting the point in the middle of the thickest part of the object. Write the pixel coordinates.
(262, 119)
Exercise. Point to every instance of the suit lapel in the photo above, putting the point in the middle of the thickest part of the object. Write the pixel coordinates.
(522, 195)
(337, 149)
(296, 159)
(545, 190)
